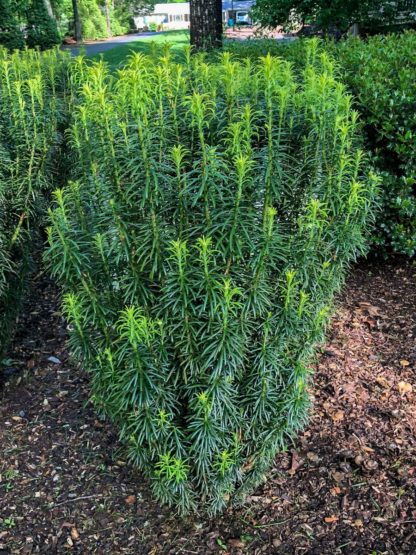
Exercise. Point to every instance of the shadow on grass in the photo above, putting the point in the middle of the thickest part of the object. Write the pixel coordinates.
(117, 56)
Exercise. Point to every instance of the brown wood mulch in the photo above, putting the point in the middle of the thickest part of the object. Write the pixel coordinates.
(347, 485)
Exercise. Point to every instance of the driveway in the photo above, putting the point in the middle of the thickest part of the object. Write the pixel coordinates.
(97, 46)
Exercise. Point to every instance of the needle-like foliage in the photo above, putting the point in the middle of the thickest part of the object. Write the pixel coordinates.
(30, 110)
(213, 211)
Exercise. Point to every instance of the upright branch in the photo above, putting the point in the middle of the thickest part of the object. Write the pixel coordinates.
(213, 210)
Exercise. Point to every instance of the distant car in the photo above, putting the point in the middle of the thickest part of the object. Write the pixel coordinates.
(242, 18)
(313, 30)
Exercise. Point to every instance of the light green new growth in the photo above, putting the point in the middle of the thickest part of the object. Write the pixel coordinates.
(213, 211)
(30, 112)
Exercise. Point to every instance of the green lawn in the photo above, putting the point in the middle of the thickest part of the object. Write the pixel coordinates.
(117, 55)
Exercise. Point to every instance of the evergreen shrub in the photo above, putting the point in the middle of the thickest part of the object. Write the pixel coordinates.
(381, 72)
(30, 113)
(213, 211)
(94, 25)
(42, 30)
(11, 36)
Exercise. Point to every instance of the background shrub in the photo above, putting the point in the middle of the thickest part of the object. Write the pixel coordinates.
(42, 31)
(30, 112)
(94, 25)
(119, 23)
(213, 212)
(380, 72)
(11, 36)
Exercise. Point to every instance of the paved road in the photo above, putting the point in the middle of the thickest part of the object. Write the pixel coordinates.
(96, 47)
(102, 46)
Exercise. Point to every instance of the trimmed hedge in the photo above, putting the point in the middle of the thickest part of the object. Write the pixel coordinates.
(213, 212)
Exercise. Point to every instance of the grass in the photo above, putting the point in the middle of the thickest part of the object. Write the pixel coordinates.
(117, 56)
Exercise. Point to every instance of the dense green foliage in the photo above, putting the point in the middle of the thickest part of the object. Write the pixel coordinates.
(26, 22)
(332, 14)
(380, 72)
(29, 120)
(11, 35)
(42, 30)
(93, 20)
(100, 18)
(213, 211)
(32, 23)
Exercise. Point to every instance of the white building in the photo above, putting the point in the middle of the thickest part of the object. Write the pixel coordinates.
(166, 16)
(176, 15)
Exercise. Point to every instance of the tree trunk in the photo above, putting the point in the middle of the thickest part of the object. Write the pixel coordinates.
(206, 24)
(354, 30)
(107, 17)
(77, 21)
(48, 7)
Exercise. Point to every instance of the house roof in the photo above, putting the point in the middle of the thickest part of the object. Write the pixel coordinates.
(174, 8)
(238, 5)
(183, 7)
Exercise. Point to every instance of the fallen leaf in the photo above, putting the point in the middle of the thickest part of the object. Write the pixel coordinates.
(248, 464)
(296, 462)
(74, 534)
(313, 457)
(130, 500)
(372, 310)
(338, 416)
(330, 519)
(370, 464)
(381, 380)
(236, 543)
(404, 362)
(359, 459)
(338, 476)
(404, 388)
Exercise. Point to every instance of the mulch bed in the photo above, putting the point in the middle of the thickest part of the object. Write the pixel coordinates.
(347, 485)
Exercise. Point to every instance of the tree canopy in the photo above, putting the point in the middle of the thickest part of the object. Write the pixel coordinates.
(27, 22)
(340, 14)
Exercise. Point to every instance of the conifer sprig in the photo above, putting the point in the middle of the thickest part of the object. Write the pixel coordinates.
(31, 116)
(213, 212)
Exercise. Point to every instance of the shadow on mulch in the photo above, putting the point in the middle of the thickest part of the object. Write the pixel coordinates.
(346, 487)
